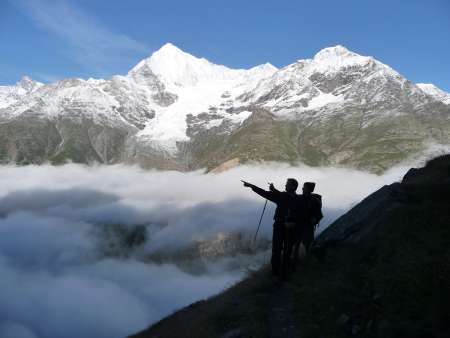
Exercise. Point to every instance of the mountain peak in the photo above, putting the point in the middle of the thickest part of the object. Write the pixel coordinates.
(333, 52)
(170, 56)
(429, 87)
(25, 80)
(176, 67)
(337, 58)
(169, 48)
(267, 66)
(28, 83)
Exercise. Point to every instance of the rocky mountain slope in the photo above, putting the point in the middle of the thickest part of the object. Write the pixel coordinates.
(380, 270)
(177, 111)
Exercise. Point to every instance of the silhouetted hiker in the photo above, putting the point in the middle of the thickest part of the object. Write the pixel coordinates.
(309, 218)
(283, 199)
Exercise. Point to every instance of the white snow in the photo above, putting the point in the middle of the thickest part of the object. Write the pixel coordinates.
(213, 123)
(169, 125)
(435, 92)
(236, 119)
(176, 68)
(7, 96)
(323, 99)
(240, 117)
(10, 95)
(335, 58)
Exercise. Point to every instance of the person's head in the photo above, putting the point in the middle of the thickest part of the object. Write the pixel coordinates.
(308, 188)
(291, 185)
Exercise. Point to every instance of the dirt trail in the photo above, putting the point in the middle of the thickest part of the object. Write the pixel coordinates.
(281, 313)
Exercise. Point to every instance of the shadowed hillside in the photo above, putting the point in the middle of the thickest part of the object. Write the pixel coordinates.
(380, 270)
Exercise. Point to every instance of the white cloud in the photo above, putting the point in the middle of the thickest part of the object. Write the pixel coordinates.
(91, 44)
(58, 282)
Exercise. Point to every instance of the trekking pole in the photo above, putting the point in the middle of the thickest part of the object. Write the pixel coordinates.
(260, 219)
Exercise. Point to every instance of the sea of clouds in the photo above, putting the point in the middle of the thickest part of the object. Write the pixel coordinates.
(57, 283)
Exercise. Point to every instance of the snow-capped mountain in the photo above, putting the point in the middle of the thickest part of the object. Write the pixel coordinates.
(334, 76)
(174, 110)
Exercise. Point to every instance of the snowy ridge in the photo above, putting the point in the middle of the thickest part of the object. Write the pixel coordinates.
(333, 77)
(435, 92)
(176, 68)
(333, 59)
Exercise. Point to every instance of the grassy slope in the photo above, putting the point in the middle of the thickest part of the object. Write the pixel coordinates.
(391, 281)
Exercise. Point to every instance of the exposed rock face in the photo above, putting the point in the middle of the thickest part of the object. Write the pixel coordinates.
(176, 111)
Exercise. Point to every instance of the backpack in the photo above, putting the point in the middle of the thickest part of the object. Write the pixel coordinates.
(316, 207)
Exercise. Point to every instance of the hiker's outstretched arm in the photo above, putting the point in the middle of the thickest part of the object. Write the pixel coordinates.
(271, 196)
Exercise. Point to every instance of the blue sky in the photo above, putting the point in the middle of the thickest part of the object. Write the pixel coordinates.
(49, 40)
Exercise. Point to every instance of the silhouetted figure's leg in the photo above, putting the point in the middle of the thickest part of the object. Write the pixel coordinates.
(296, 247)
(277, 247)
(289, 240)
(308, 237)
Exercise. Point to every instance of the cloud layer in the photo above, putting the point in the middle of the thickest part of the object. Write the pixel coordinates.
(57, 280)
